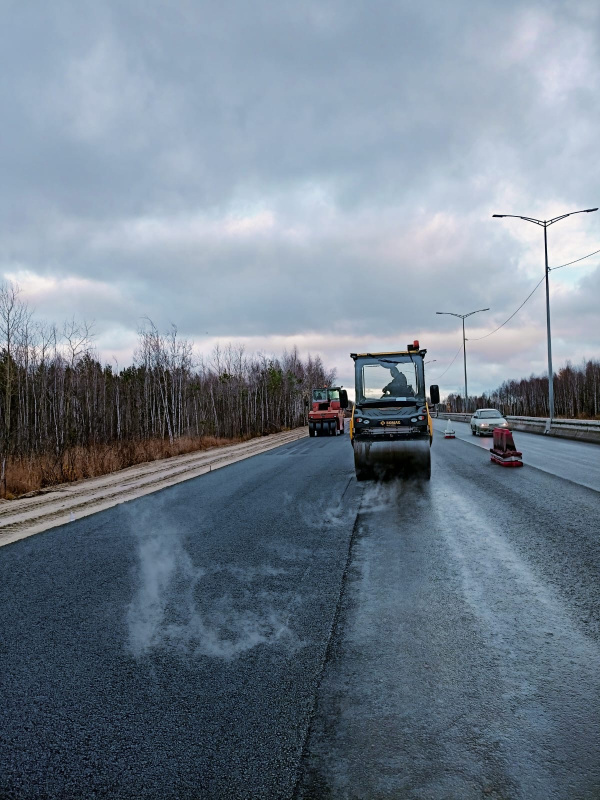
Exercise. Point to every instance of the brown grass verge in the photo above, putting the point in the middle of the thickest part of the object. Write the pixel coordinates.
(34, 474)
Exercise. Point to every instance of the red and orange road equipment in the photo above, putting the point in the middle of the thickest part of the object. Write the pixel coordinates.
(504, 451)
(326, 415)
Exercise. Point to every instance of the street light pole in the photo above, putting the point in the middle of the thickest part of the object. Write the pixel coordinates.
(465, 364)
(463, 317)
(548, 335)
(545, 223)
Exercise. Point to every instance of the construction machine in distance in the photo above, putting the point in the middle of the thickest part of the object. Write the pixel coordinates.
(326, 415)
(391, 429)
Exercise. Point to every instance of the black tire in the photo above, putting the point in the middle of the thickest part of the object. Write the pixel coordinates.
(473, 432)
(424, 473)
(311, 430)
(333, 429)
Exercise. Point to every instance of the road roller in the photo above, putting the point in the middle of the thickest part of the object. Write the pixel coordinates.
(326, 416)
(391, 428)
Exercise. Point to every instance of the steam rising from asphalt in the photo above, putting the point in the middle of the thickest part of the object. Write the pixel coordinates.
(175, 605)
(218, 610)
(381, 496)
(323, 513)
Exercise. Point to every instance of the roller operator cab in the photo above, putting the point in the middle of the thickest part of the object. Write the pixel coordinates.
(391, 428)
(326, 415)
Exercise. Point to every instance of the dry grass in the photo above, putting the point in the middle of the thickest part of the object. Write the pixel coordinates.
(31, 475)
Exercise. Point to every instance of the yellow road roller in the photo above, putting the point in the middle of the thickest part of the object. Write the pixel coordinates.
(391, 428)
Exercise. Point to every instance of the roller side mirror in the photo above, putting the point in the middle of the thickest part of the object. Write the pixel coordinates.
(434, 393)
(343, 399)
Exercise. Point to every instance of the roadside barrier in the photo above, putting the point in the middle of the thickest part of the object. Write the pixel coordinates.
(504, 451)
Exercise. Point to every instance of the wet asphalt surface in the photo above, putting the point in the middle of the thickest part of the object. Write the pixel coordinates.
(276, 630)
(574, 461)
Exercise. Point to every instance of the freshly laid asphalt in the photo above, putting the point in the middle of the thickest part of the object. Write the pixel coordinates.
(276, 630)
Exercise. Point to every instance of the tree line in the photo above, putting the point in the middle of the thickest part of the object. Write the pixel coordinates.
(576, 395)
(57, 398)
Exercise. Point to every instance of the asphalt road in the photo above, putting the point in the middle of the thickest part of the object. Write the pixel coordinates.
(575, 461)
(276, 630)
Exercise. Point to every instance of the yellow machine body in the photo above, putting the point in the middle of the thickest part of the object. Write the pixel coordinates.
(391, 428)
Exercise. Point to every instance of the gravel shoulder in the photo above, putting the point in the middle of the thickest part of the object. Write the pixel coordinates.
(65, 503)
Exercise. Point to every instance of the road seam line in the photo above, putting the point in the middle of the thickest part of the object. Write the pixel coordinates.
(328, 647)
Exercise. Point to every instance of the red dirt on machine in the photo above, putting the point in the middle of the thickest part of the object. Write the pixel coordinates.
(504, 451)
(326, 416)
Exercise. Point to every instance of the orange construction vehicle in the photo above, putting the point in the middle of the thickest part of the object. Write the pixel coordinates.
(326, 416)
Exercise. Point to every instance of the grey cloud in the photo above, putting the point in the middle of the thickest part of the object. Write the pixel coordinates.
(253, 95)
(380, 138)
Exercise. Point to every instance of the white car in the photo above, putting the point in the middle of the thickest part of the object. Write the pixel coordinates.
(485, 420)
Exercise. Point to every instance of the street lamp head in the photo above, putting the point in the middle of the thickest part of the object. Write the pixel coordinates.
(588, 210)
(498, 215)
(470, 314)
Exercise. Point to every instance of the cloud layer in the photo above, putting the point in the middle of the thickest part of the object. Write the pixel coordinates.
(313, 173)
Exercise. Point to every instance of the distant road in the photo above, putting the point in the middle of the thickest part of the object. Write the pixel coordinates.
(575, 461)
(276, 630)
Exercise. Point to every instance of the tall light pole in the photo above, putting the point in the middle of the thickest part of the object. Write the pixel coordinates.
(463, 317)
(545, 223)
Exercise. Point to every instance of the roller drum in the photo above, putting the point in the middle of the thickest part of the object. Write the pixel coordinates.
(392, 458)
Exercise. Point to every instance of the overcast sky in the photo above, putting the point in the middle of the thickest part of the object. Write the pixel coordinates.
(319, 174)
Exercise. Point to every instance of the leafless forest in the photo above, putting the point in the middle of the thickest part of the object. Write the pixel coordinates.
(65, 416)
(576, 395)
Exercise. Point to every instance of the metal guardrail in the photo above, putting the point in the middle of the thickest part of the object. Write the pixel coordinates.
(585, 430)
(577, 424)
